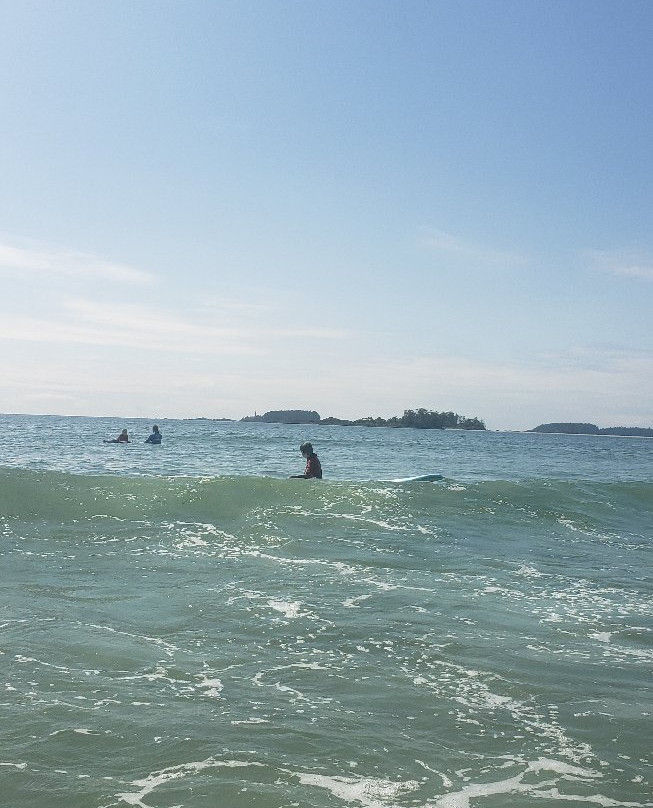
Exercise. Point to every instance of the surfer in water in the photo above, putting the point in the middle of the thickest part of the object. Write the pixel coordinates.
(313, 466)
(122, 438)
(155, 437)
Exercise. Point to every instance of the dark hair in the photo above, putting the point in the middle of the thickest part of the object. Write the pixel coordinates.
(306, 448)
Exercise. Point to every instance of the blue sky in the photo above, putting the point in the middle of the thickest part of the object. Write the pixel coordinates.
(210, 208)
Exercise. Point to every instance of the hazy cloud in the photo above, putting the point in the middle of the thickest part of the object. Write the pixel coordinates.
(441, 241)
(67, 263)
(623, 263)
(88, 322)
(130, 326)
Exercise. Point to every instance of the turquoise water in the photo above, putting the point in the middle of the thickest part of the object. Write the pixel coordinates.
(183, 626)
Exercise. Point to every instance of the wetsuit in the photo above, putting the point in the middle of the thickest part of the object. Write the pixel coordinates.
(155, 437)
(313, 467)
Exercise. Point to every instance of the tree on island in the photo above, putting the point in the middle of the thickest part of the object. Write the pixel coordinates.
(415, 419)
(592, 429)
(628, 431)
(570, 428)
(428, 419)
(286, 417)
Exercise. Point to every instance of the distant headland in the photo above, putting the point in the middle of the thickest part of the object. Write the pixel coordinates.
(592, 429)
(417, 419)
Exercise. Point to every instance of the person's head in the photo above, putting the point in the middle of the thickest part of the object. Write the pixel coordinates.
(306, 449)
(124, 432)
(155, 428)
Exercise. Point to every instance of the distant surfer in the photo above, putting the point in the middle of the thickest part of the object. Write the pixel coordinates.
(313, 466)
(122, 438)
(155, 437)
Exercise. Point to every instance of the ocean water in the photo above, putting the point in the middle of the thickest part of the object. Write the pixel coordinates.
(182, 625)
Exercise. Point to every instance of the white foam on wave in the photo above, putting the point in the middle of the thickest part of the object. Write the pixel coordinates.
(290, 610)
(543, 789)
(528, 572)
(361, 574)
(366, 791)
(446, 781)
(159, 673)
(200, 538)
(339, 566)
(384, 585)
(471, 689)
(352, 603)
(363, 519)
(150, 783)
(78, 731)
(601, 636)
(13, 622)
(213, 687)
(23, 660)
(569, 524)
(619, 653)
(168, 648)
(295, 695)
(190, 542)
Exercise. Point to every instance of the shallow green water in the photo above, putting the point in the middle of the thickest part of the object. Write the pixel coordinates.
(178, 629)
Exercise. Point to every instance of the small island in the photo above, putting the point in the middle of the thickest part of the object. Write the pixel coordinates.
(285, 417)
(591, 429)
(416, 419)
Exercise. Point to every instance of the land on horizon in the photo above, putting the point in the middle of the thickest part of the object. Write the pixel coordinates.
(418, 419)
(579, 428)
(415, 419)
